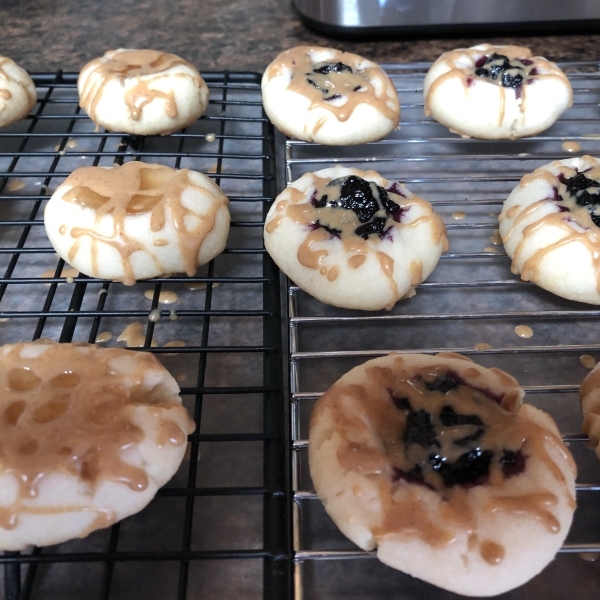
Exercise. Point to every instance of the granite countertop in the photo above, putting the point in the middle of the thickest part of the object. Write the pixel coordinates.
(44, 35)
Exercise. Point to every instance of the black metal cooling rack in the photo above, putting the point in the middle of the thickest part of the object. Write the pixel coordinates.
(185, 544)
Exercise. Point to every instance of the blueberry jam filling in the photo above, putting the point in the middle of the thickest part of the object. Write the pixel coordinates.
(472, 468)
(370, 202)
(513, 463)
(578, 187)
(444, 445)
(326, 69)
(338, 67)
(501, 69)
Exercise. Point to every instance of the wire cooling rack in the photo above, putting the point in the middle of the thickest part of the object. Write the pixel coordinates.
(220, 528)
(472, 298)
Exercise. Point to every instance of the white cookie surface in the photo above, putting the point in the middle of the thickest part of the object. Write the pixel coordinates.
(434, 461)
(475, 94)
(330, 97)
(589, 397)
(88, 436)
(17, 92)
(143, 92)
(550, 226)
(398, 244)
(137, 221)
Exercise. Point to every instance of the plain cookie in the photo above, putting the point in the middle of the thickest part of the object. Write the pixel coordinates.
(354, 239)
(143, 92)
(495, 92)
(137, 221)
(330, 97)
(88, 436)
(550, 226)
(434, 461)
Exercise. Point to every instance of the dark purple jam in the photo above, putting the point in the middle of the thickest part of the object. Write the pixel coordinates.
(338, 67)
(326, 69)
(578, 187)
(513, 463)
(370, 202)
(497, 67)
(450, 443)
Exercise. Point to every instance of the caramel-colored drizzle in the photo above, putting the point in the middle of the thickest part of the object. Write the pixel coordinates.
(68, 411)
(545, 70)
(403, 513)
(146, 66)
(133, 189)
(133, 335)
(299, 63)
(588, 233)
(297, 207)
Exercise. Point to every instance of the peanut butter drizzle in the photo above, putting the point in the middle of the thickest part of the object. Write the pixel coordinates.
(67, 410)
(355, 87)
(299, 209)
(530, 504)
(545, 70)
(491, 552)
(133, 189)
(133, 335)
(585, 231)
(378, 451)
(147, 65)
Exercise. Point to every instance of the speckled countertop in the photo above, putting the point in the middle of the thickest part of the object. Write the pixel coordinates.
(44, 35)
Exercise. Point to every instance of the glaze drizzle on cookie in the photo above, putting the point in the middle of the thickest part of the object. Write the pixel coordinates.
(338, 86)
(576, 198)
(360, 215)
(512, 69)
(67, 408)
(437, 430)
(135, 189)
(122, 66)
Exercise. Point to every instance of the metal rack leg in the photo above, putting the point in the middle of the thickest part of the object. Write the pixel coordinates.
(12, 578)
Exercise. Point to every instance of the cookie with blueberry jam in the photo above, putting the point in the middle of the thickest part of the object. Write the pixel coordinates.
(354, 239)
(495, 92)
(330, 97)
(435, 462)
(550, 226)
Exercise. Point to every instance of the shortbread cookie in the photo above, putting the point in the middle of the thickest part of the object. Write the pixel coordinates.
(495, 92)
(330, 97)
(137, 221)
(17, 92)
(354, 239)
(550, 226)
(142, 92)
(589, 396)
(434, 461)
(87, 437)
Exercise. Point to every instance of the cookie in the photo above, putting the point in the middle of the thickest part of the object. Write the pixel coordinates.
(143, 92)
(17, 92)
(589, 396)
(354, 239)
(330, 97)
(495, 92)
(88, 435)
(550, 226)
(434, 461)
(136, 221)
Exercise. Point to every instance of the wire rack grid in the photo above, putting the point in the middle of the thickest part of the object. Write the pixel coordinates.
(220, 527)
(471, 298)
